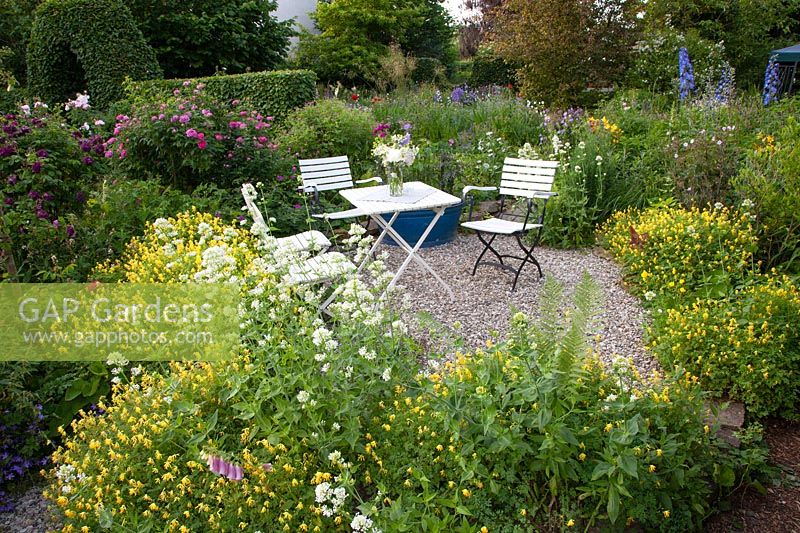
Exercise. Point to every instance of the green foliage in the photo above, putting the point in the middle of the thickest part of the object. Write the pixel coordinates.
(770, 179)
(443, 121)
(489, 69)
(10, 95)
(356, 34)
(429, 70)
(206, 36)
(655, 65)
(328, 128)
(745, 345)
(16, 18)
(565, 46)
(273, 93)
(588, 183)
(749, 30)
(544, 435)
(86, 44)
(675, 253)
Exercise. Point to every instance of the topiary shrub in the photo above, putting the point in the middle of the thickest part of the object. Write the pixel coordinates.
(274, 93)
(429, 69)
(86, 44)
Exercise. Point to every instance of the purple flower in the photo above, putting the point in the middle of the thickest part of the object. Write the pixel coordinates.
(86, 146)
(80, 197)
(280, 178)
(33, 195)
(36, 167)
(41, 213)
(297, 206)
(87, 160)
(47, 197)
(185, 118)
(191, 133)
(12, 179)
(7, 150)
(56, 224)
(9, 201)
(70, 231)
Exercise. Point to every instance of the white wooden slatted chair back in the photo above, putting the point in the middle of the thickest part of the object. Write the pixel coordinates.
(325, 174)
(527, 177)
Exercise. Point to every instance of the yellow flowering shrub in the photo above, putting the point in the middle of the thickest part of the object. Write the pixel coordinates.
(182, 249)
(674, 252)
(746, 346)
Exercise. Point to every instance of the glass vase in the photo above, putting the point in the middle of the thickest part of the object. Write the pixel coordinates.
(394, 178)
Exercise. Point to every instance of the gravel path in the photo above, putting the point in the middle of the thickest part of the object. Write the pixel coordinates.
(31, 514)
(484, 303)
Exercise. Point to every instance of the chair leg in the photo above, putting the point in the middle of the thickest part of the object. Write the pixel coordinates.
(527, 259)
(487, 247)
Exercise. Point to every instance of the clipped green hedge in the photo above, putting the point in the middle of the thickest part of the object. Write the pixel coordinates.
(429, 69)
(274, 93)
(92, 45)
(489, 69)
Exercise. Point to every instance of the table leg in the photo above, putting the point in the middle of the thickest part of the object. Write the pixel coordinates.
(412, 251)
(378, 220)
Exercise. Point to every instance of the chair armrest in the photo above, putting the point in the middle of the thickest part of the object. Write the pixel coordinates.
(469, 188)
(545, 195)
(375, 179)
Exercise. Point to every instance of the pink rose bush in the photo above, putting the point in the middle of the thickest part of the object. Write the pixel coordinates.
(190, 138)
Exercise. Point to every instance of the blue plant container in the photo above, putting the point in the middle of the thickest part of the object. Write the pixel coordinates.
(411, 224)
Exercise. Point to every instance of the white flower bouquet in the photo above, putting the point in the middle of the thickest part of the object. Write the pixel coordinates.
(394, 154)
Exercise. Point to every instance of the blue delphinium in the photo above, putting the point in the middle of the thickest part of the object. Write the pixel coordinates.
(725, 86)
(771, 81)
(686, 74)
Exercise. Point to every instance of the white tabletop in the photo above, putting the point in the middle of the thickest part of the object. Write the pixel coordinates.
(416, 195)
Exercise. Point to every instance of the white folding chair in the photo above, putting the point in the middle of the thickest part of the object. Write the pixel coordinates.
(306, 240)
(329, 174)
(521, 178)
(314, 270)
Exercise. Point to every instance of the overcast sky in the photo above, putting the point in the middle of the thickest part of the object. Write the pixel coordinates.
(455, 7)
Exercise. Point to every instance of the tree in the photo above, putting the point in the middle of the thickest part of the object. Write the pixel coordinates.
(356, 34)
(16, 18)
(199, 37)
(565, 46)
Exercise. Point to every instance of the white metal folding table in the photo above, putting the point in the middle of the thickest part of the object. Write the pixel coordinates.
(375, 201)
